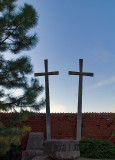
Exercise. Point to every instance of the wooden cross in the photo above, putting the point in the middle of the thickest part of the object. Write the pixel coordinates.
(79, 116)
(46, 74)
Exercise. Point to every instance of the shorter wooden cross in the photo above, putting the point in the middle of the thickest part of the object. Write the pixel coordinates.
(79, 115)
(46, 74)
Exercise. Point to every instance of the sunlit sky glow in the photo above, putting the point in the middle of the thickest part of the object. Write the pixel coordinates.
(70, 30)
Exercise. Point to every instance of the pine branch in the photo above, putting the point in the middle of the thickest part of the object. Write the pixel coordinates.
(7, 29)
(9, 34)
(14, 30)
(11, 40)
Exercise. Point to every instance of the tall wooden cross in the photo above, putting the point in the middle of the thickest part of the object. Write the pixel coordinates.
(46, 74)
(79, 115)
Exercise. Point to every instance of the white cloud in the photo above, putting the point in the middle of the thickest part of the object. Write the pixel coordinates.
(112, 109)
(104, 82)
(56, 108)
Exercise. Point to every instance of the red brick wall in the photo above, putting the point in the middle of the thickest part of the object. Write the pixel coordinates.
(63, 125)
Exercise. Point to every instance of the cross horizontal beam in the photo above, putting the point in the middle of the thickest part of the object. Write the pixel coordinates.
(48, 73)
(79, 115)
(78, 73)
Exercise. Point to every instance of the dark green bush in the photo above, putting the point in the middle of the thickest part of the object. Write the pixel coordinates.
(15, 153)
(95, 148)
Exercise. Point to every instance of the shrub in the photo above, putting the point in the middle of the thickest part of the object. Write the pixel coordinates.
(10, 141)
(95, 148)
(15, 153)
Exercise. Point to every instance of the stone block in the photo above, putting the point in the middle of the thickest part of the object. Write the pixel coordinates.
(35, 141)
(62, 149)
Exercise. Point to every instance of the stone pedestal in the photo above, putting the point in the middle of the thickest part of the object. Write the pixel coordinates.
(34, 145)
(35, 141)
(62, 149)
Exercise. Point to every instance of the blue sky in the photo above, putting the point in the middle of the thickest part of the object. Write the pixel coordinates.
(70, 30)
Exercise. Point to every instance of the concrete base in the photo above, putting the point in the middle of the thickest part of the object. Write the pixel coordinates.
(80, 158)
(32, 154)
(62, 149)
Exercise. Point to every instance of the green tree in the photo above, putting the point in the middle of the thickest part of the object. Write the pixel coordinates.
(15, 25)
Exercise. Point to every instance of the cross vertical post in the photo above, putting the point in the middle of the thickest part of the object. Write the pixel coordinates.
(48, 120)
(79, 115)
(46, 74)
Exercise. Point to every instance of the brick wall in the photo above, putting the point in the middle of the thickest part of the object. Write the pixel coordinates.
(63, 125)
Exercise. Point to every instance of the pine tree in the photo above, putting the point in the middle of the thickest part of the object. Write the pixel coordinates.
(15, 25)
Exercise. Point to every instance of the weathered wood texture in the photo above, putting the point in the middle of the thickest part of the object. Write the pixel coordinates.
(46, 74)
(79, 117)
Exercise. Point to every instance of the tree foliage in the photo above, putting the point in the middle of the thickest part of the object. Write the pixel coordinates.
(15, 25)
(11, 136)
